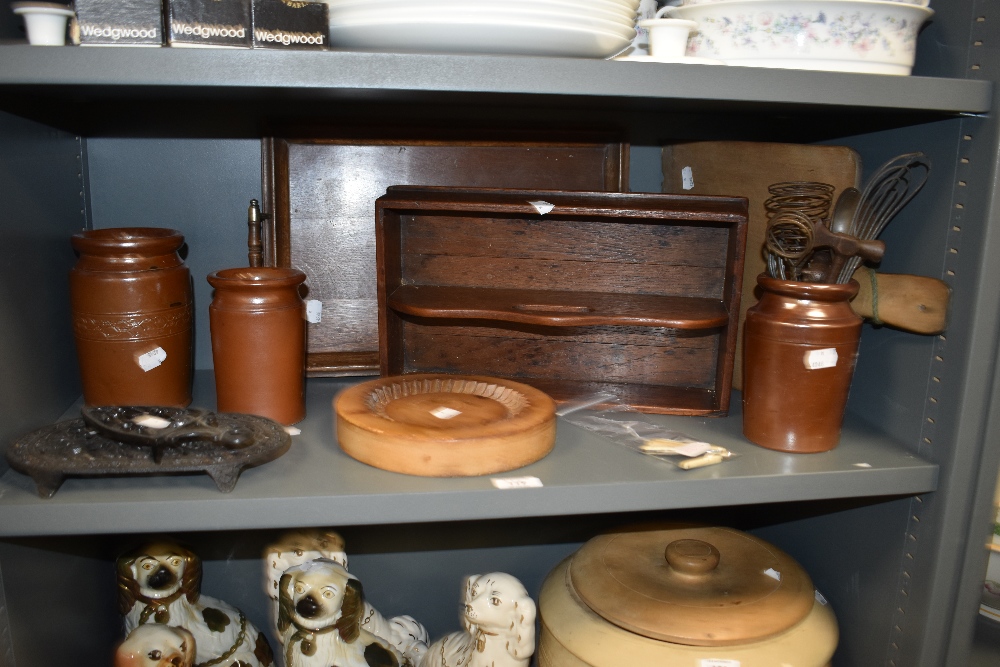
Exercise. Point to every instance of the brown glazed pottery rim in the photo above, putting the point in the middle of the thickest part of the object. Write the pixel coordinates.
(127, 240)
(814, 291)
(252, 277)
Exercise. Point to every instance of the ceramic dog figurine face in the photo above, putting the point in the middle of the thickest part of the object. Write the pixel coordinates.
(156, 646)
(160, 583)
(499, 620)
(320, 613)
(296, 547)
(157, 571)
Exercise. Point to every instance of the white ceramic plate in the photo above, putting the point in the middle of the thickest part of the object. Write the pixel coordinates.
(628, 6)
(483, 16)
(599, 8)
(501, 37)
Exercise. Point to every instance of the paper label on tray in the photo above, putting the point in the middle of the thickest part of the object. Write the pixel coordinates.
(825, 358)
(542, 207)
(687, 178)
(314, 311)
(151, 359)
(445, 413)
(717, 662)
(516, 482)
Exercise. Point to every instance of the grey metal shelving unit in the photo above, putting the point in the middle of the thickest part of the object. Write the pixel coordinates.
(890, 524)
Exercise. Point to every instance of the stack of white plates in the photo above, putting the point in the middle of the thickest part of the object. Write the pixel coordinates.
(572, 28)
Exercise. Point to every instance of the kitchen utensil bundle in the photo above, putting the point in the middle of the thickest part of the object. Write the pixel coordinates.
(805, 243)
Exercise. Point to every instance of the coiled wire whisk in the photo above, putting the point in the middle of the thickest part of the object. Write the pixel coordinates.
(809, 199)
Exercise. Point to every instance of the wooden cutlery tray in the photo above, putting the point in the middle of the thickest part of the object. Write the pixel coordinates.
(571, 292)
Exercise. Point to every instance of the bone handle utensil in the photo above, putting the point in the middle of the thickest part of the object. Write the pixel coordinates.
(917, 304)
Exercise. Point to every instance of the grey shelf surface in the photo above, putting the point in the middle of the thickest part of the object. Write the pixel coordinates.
(74, 87)
(315, 483)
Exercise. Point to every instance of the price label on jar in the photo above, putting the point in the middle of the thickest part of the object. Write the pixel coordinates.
(825, 358)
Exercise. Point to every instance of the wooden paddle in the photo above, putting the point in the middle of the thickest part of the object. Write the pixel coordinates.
(912, 303)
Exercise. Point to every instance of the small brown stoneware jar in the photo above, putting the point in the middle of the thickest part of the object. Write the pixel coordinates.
(801, 344)
(131, 298)
(259, 342)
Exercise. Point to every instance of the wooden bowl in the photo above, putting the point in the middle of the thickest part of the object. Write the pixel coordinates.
(438, 425)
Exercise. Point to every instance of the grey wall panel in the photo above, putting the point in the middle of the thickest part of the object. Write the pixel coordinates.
(40, 172)
(854, 557)
(200, 187)
(645, 169)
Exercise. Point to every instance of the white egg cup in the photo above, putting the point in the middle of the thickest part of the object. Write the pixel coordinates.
(44, 21)
(668, 37)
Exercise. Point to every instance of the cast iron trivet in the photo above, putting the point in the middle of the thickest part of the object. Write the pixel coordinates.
(106, 441)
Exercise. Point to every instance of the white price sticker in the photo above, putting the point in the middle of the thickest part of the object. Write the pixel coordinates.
(774, 574)
(151, 421)
(687, 178)
(716, 662)
(445, 413)
(542, 207)
(822, 600)
(825, 358)
(314, 311)
(151, 359)
(516, 482)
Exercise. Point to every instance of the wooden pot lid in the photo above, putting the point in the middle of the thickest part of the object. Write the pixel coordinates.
(694, 585)
(439, 425)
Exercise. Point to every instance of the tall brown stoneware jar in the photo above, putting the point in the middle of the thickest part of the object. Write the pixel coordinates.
(259, 342)
(131, 298)
(801, 344)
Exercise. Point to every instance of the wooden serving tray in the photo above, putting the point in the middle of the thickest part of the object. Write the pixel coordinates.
(437, 425)
(636, 294)
(319, 203)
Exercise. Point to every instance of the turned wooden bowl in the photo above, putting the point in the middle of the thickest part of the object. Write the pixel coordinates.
(438, 425)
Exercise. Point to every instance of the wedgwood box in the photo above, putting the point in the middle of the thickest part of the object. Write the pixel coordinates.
(290, 24)
(120, 22)
(214, 23)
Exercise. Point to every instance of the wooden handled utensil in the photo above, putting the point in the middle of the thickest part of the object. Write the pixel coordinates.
(918, 304)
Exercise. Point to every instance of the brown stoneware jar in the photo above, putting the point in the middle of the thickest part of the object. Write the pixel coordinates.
(801, 344)
(131, 298)
(259, 342)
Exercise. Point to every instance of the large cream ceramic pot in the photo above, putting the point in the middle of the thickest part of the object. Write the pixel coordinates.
(711, 591)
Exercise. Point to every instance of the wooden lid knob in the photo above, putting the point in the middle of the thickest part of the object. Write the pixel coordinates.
(692, 556)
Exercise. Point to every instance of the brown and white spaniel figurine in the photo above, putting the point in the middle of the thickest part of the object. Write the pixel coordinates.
(160, 583)
(300, 546)
(499, 620)
(320, 610)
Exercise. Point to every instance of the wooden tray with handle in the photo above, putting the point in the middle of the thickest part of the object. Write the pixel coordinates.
(319, 209)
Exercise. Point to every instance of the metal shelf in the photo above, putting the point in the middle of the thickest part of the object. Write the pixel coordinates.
(219, 92)
(316, 483)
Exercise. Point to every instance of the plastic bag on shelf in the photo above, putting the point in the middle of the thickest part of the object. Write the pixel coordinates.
(626, 427)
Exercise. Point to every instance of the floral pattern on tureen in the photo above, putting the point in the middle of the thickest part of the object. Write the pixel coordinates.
(862, 32)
